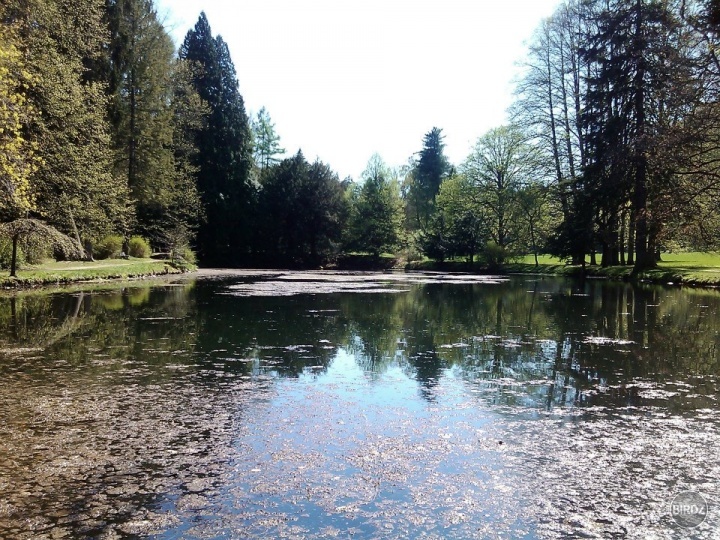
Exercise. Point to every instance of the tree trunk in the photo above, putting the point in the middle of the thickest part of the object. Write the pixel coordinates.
(614, 241)
(606, 250)
(13, 260)
(644, 258)
(621, 239)
(87, 254)
(631, 241)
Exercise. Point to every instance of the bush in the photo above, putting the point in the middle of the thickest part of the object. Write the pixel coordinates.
(412, 254)
(6, 254)
(109, 247)
(139, 247)
(187, 255)
(494, 254)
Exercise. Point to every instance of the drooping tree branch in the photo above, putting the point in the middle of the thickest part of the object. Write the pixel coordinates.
(42, 233)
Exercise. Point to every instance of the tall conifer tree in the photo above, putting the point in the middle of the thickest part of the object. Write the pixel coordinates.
(430, 170)
(225, 150)
(266, 141)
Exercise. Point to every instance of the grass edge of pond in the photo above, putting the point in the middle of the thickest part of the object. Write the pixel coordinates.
(60, 273)
(692, 269)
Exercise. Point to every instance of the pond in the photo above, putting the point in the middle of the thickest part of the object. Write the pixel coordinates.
(338, 405)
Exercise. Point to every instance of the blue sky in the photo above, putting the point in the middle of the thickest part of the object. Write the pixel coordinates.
(343, 79)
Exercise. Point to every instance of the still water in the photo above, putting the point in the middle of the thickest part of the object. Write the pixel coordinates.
(330, 405)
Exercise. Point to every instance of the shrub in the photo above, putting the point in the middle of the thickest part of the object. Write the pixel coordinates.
(138, 247)
(109, 247)
(413, 255)
(187, 255)
(494, 254)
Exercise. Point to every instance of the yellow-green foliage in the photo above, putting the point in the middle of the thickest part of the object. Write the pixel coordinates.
(138, 247)
(35, 249)
(6, 253)
(187, 255)
(17, 155)
(109, 247)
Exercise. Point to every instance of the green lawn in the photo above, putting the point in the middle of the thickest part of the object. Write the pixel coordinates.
(53, 272)
(691, 267)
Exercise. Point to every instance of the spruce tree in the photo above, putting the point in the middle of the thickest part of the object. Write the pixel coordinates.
(640, 90)
(430, 170)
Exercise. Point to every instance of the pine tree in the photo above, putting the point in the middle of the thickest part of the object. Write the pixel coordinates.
(225, 150)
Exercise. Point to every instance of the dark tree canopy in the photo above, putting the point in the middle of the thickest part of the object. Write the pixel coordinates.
(224, 158)
(303, 210)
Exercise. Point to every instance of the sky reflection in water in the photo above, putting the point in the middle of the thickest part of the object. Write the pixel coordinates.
(383, 407)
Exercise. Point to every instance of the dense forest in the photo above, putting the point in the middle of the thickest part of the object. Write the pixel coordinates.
(112, 141)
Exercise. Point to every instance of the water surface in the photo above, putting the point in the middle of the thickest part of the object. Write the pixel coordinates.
(320, 405)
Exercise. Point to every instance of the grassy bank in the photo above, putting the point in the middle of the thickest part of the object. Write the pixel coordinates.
(699, 269)
(53, 273)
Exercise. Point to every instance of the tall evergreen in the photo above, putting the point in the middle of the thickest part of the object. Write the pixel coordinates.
(225, 156)
(431, 168)
(639, 90)
(266, 141)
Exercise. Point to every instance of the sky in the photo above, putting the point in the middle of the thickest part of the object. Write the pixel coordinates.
(343, 79)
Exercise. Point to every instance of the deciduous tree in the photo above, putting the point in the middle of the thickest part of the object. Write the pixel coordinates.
(375, 223)
(499, 165)
(73, 186)
(18, 155)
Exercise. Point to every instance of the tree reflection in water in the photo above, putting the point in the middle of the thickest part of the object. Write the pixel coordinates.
(129, 408)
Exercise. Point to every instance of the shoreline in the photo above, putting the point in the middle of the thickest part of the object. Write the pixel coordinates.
(670, 276)
(68, 273)
(62, 274)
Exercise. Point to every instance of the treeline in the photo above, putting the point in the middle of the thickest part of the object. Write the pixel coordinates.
(108, 131)
(612, 147)
(620, 101)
